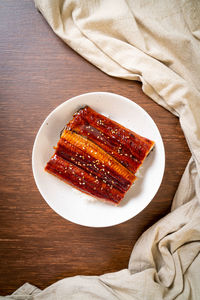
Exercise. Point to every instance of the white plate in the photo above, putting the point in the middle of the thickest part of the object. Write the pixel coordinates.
(76, 206)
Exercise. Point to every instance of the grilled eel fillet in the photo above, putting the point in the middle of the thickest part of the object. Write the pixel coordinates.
(89, 168)
(98, 156)
(127, 147)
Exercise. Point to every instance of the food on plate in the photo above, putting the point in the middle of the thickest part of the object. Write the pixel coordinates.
(89, 168)
(129, 148)
(98, 156)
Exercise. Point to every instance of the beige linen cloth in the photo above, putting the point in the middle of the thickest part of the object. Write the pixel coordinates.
(158, 43)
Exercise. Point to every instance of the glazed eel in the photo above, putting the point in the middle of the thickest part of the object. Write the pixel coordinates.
(98, 156)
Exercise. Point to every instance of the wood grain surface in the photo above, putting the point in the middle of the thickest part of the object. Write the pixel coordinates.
(38, 72)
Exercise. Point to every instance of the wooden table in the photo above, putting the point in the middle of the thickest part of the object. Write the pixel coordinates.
(38, 72)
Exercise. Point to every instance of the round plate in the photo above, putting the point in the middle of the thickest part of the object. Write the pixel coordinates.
(76, 206)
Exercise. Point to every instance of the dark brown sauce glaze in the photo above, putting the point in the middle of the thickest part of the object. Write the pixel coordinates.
(93, 166)
(127, 147)
(98, 156)
(82, 180)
